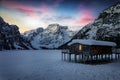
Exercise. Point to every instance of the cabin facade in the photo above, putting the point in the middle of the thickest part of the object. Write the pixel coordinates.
(90, 49)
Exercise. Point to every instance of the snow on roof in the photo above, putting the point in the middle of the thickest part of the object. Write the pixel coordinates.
(92, 42)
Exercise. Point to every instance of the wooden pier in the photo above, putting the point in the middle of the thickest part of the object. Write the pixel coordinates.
(81, 57)
(82, 51)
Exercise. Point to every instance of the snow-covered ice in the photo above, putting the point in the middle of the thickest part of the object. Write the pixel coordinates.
(47, 65)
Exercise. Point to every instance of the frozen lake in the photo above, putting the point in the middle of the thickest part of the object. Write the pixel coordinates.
(47, 65)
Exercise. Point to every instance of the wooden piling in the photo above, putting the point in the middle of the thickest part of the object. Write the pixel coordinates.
(79, 57)
(69, 57)
(75, 57)
(62, 56)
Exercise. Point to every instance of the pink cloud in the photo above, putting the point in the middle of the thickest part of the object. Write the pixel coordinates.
(31, 11)
(85, 17)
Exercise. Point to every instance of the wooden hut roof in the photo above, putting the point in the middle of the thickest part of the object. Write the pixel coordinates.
(92, 42)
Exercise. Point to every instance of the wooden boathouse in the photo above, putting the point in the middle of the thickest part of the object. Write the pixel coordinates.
(89, 50)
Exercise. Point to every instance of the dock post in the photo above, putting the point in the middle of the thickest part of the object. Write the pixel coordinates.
(75, 57)
(62, 56)
(105, 56)
(79, 57)
(111, 56)
(97, 57)
(115, 56)
(102, 56)
(91, 58)
(69, 57)
(118, 55)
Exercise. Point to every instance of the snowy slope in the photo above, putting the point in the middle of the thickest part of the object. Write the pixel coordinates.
(47, 65)
(51, 37)
(10, 37)
(105, 27)
(32, 33)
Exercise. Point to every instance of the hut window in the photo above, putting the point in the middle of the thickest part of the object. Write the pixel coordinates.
(80, 47)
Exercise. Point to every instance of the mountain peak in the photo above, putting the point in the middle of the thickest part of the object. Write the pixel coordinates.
(1, 20)
(113, 9)
(53, 27)
(52, 37)
(105, 27)
(56, 27)
(10, 37)
(110, 15)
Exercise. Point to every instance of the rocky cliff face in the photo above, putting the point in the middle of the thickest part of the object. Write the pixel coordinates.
(10, 37)
(51, 37)
(105, 27)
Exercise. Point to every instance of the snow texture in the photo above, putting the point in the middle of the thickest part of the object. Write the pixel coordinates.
(47, 65)
(106, 27)
(53, 36)
(10, 37)
(92, 42)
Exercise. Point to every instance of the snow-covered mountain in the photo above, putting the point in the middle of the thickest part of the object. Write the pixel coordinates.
(52, 37)
(105, 27)
(32, 33)
(10, 37)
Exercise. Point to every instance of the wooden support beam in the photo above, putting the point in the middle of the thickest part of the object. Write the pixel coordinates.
(62, 56)
(109, 56)
(69, 57)
(79, 57)
(97, 57)
(101, 56)
(75, 57)
(118, 55)
(91, 56)
(115, 56)
(105, 57)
